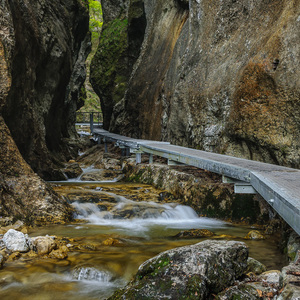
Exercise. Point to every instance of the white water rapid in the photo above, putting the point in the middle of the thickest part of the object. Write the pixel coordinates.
(137, 217)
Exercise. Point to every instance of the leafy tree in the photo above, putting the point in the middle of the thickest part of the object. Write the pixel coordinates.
(96, 20)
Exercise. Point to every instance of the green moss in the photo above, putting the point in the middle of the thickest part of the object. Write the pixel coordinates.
(192, 287)
(108, 69)
(154, 268)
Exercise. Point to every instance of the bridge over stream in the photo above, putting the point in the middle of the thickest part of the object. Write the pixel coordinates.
(279, 186)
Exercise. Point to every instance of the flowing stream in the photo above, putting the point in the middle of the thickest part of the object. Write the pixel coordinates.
(119, 226)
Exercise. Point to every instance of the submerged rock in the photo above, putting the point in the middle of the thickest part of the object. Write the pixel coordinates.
(16, 241)
(194, 233)
(112, 242)
(192, 272)
(60, 253)
(254, 235)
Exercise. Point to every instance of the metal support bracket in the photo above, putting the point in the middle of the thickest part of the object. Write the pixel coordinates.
(240, 187)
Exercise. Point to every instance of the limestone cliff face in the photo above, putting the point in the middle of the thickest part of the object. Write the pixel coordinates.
(119, 48)
(42, 51)
(47, 72)
(221, 76)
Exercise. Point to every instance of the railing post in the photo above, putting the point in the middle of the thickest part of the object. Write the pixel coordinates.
(105, 146)
(92, 122)
(150, 158)
(138, 158)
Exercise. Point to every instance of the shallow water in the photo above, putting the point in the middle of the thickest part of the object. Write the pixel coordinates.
(142, 228)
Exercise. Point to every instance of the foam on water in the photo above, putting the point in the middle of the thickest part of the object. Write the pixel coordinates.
(144, 215)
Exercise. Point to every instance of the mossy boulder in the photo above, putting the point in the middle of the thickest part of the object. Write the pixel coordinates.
(190, 272)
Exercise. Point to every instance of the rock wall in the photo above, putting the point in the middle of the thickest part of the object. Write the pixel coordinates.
(48, 70)
(23, 195)
(119, 48)
(219, 76)
(42, 51)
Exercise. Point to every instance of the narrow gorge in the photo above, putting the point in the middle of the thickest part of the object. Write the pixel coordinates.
(219, 76)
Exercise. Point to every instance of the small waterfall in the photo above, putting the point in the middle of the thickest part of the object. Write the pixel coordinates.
(141, 216)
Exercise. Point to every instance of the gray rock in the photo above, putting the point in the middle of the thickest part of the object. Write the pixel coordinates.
(290, 282)
(15, 241)
(243, 291)
(264, 286)
(255, 266)
(293, 246)
(193, 272)
(272, 276)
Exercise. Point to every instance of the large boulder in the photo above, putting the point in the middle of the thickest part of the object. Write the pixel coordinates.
(192, 272)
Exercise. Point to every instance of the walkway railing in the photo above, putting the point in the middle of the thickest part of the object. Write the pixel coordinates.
(279, 186)
(86, 117)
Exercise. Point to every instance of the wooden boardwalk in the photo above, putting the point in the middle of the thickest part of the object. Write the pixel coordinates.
(279, 186)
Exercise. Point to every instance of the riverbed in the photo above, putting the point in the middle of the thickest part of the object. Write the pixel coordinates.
(118, 227)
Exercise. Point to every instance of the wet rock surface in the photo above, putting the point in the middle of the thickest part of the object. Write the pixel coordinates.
(195, 271)
(73, 170)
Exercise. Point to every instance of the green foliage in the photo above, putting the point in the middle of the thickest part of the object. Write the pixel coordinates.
(96, 20)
